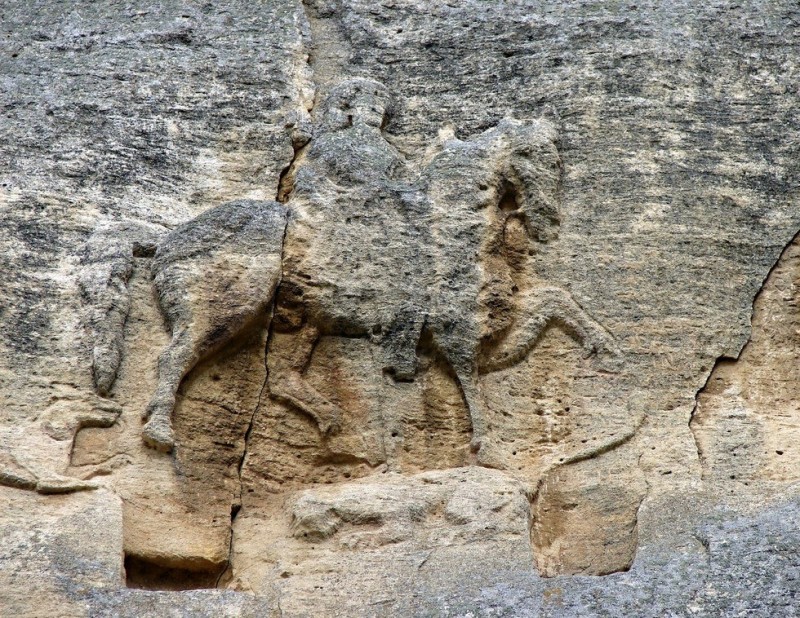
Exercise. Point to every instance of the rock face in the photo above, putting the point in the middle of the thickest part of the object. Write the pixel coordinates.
(407, 308)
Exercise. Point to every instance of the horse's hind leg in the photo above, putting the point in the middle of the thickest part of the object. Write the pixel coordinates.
(215, 276)
(203, 322)
(180, 356)
(286, 382)
(487, 453)
(464, 365)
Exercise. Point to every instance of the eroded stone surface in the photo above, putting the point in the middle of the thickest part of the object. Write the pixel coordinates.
(747, 420)
(427, 322)
(56, 551)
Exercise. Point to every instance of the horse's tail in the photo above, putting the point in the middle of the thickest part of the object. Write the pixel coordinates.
(106, 266)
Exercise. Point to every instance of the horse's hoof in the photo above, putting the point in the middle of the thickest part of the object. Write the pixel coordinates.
(157, 434)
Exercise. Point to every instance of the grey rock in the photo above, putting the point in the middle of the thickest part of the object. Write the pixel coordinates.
(661, 142)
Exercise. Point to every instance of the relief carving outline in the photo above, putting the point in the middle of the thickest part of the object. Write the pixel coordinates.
(363, 247)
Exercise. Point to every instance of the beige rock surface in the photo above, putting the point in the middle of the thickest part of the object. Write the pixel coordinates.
(747, 419)
(388, 309)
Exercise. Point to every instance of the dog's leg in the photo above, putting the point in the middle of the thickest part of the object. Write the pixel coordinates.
(107, 265)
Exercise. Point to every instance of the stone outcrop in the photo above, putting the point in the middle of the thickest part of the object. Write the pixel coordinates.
(401, 308)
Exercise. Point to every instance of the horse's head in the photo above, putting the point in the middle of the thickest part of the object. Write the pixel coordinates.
(532, 175)
(356, 101)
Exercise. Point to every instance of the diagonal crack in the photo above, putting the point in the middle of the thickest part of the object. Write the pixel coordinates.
(724, 358)
(727, 358)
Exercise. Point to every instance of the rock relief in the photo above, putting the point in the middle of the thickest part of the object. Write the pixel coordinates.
(385, 299)
(361, 249)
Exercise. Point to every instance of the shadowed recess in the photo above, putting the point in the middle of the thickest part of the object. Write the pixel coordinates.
(146, 575)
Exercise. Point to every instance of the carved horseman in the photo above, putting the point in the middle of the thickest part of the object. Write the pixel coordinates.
(360, 251)
(357, 256)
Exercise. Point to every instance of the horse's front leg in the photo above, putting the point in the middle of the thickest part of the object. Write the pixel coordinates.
(593, 337)
(545, 306)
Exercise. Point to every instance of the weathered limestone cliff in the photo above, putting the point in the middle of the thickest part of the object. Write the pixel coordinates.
(349, 308)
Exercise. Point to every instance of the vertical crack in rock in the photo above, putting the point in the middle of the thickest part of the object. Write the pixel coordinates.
(237, 505)
(285, 188)
(330, 49)
(301, 132)
(286, 178)
(725, 358)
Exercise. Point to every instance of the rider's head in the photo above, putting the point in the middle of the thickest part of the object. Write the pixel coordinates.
(356, 101)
